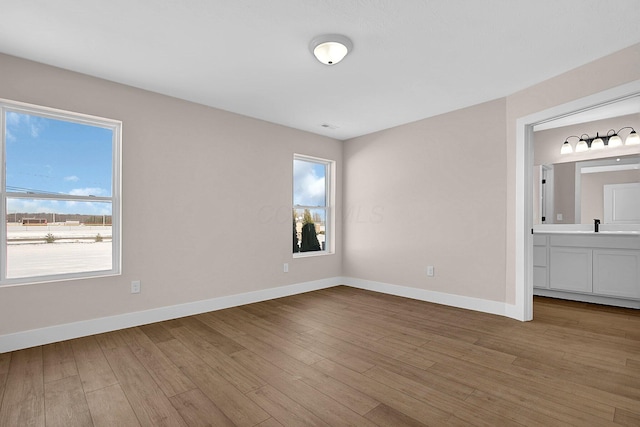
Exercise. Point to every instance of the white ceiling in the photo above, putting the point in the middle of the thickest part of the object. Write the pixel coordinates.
(411, 59)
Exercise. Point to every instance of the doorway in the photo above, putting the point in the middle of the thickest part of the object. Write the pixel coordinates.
(524, 182)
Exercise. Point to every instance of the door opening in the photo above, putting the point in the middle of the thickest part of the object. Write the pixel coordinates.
(524, 183)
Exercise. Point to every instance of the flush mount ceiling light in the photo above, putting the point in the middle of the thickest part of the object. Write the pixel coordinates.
(330, 48)
(598, 142)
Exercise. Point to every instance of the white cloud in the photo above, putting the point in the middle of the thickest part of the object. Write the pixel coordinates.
(15, 120)
(89, 191)
(309, 188)
(71, 178)
(34, 130)
(32, 206)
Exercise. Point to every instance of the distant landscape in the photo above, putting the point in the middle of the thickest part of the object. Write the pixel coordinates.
(18, 217)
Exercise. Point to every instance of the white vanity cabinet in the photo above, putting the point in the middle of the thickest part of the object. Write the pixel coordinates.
(591, 267)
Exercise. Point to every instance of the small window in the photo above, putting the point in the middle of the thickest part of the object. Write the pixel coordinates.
(60, 187)
(311, 205)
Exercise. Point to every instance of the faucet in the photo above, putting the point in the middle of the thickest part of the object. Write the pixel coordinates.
(596, 225)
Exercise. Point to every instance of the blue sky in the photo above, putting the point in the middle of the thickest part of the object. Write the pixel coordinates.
(308, 183)
(50, 156)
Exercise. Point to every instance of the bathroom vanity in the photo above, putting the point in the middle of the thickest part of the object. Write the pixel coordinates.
(575, 262)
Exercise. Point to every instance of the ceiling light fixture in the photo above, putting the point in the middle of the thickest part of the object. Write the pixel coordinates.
(612, 140)
(330, 48)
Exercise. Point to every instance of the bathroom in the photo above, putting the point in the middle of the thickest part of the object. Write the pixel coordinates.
(586, 202)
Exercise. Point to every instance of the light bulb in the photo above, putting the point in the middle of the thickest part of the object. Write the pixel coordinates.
(566, 148)
(582, 146)
(632, 139)
(598, 143)
(615, 140)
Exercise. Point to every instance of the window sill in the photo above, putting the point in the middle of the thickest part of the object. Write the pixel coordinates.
(311, 254)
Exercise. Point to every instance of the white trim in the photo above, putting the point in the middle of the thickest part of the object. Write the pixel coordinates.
(329, 203)
(469, 303)
(595, 299)
(50, 334)
(115, 126)
(524, 183)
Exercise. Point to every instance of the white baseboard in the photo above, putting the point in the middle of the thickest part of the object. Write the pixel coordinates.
(476, 304)
(50, 334)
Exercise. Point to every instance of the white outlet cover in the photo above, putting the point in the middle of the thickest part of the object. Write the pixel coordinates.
(135, 286)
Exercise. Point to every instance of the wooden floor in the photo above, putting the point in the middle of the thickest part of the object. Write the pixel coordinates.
(336, 357)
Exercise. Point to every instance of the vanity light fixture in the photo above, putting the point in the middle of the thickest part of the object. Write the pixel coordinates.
(611, 139)
(330, 48)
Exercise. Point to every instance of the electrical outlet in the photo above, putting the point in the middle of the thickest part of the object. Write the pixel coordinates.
(135, 286)
(285, 268)
(430, 271)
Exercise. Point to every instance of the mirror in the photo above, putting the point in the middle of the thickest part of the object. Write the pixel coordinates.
(575, 188)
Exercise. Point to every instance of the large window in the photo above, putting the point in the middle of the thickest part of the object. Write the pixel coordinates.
(60, 188)
(311, 205)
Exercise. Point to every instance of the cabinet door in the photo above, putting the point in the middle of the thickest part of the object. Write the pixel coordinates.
(540, 267)
(540, 277)
(570, 269)
(616, 273)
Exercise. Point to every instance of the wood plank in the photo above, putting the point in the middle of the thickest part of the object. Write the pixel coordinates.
(167, 375)
(410, 368)
(385, 394)
(515, 390)
(215, 320)
(23, 400)
(471, 414)
(208, 334)
(5, 359)
(224, 365)
(512, 410)
(324, 406)
(109, 407)
(59, 361)
(235, 405)
(283, 409)
(149, 403)
(627, 418)
(93, 368)
(259, 329)
(601, 378)
(355, 400)
(384, 416)
(65, 402)
(156, 332)
(271, 422)
(197, 410)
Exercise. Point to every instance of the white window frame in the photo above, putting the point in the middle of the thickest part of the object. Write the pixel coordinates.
(328, 208)
(116, 210)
